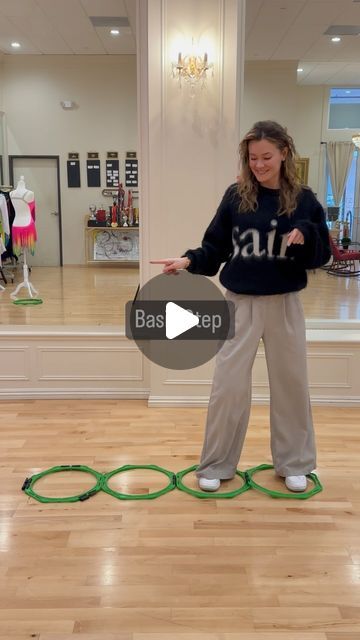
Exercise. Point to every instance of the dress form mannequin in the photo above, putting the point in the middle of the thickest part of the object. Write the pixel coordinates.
(23, 229)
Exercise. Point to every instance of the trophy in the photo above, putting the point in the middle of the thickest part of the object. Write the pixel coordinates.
(130, 209)
(113, 212)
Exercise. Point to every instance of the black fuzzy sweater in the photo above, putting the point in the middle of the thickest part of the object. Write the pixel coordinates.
(254, 248)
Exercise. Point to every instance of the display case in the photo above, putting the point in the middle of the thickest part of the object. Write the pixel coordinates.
(105, 244)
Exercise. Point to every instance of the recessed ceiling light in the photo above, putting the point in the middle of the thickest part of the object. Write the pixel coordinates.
(15, 45)
(300, 69)
(115, 32)
(335, 39)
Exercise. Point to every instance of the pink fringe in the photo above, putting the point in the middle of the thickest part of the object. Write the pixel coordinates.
(24, 238)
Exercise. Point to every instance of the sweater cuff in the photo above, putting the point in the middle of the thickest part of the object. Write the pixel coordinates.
(305, 228)
(190, 256)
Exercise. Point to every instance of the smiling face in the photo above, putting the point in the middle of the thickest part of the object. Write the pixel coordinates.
(265, 160)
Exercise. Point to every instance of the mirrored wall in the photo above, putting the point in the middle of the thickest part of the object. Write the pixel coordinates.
(302, 69)
(78, 105)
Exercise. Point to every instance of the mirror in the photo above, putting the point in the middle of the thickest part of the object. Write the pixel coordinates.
(291, 64)
(87, 103)
(80, 95)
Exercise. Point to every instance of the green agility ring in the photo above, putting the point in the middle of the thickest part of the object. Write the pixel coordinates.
(27, 301)
(207, 494)
(278, 494)
(138, 496)
(29, 483)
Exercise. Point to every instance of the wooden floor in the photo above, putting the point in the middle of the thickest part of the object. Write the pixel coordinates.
(97, 296)
(173, 568)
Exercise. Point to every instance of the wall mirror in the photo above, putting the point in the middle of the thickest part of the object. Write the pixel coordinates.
(80, 93)
(81, 98)
(294, 73)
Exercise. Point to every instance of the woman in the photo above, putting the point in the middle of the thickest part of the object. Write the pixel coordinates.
(268, 230)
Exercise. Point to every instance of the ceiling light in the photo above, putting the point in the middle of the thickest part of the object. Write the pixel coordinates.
(335, 39)
(115, 32)
(16, 45)
(300, 69)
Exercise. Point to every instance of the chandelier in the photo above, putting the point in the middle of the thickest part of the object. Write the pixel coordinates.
(356, 140)
(193, 69)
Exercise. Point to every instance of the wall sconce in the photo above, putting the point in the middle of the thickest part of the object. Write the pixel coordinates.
(356, 140)
(193, 69)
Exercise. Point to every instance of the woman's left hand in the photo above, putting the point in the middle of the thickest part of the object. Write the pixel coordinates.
(295, 237)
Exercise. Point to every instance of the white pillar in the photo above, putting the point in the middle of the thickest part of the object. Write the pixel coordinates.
(187, 145)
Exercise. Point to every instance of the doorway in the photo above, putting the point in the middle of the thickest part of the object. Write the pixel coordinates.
(42, 176)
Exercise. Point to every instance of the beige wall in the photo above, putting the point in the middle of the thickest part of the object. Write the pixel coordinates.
(104, 88)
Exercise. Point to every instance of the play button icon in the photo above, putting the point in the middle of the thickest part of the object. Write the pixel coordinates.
(178, 320)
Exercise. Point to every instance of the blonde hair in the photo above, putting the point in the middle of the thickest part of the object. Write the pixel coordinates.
(248, 186)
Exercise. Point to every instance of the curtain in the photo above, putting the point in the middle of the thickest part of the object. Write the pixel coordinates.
(339, 156)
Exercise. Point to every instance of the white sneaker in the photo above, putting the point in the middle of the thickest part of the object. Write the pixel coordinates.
(209, 485)
(296, 483)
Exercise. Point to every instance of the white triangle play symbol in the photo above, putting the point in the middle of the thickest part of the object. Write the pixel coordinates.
(178, 320)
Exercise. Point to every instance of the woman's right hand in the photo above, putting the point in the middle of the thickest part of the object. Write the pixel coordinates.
(172, 265)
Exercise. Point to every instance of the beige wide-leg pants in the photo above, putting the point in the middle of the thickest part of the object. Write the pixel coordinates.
(279, 321)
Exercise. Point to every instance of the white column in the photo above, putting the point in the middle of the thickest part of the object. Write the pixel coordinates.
(187, 145)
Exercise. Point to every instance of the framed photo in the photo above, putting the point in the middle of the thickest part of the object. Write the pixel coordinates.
(302, 169)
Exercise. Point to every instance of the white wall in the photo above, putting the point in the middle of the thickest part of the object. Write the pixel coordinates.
(188, 144)
(104, 88)
(193, 140)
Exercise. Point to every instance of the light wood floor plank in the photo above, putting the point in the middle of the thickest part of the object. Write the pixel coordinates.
(173, 568)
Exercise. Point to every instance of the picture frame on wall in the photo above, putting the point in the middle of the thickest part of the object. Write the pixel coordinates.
(302, 169)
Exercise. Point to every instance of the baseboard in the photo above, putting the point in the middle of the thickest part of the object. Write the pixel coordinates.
(202, 401)
(178, 401)
(153, 401)
(76, 394)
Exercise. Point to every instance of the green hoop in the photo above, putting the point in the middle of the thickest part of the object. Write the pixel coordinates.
(208, 494)
(138, 496)
(28, 301)
(175, 480)
(303, 495)
(29, 483)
